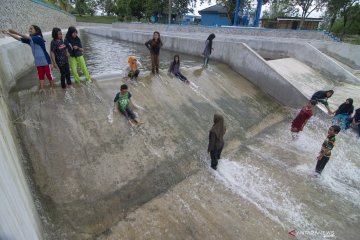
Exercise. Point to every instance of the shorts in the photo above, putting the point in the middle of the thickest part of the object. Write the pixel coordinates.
(44, 70)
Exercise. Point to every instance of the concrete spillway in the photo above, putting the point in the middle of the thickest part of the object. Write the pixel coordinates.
(100, 179)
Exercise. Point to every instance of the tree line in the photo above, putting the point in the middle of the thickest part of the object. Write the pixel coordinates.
(340, 16)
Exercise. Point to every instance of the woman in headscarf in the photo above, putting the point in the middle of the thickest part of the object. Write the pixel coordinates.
(208, 49)
(216, 140)
(343, 113)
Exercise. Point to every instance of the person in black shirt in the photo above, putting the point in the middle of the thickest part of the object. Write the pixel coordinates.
(59, 57)
(322, 96)
(216, 140)
(154, 46)
(343, 113)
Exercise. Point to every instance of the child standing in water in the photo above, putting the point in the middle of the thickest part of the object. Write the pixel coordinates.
(208, 49)
(37, 44)
(154, 46)
(326, 148)
(134, 67)
(175, 69)
(216, 140)
(123, 99)
(59, 57)
(322, 96)
(76, 51)
(304, 115)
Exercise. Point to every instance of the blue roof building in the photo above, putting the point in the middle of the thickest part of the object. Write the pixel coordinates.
(216, 15)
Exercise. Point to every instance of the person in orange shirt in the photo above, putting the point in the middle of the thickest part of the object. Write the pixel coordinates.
(134, 67)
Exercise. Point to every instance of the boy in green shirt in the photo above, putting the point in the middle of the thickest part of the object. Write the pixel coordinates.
(122, 100)
(326, 148)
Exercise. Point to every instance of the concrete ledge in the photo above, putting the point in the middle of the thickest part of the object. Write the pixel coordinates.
(344, 52)
(258, 32)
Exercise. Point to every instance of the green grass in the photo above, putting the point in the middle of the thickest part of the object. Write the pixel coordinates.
(51, 4)
(97, 19)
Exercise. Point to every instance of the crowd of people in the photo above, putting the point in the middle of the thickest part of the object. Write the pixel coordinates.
(68, 54)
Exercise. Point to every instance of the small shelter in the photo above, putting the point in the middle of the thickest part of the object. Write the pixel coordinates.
(216, 15)
(291, 23)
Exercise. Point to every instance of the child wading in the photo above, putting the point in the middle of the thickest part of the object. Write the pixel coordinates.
(154, 46)
(123, 99)
(343, 113)
(354, 122)
(216, 140)
(59, 57)
(134, 67)
(208, 49)
(37, 44)
(76, 51)
(326, 148)
(175, 69)
(304, 115)
(322, 96)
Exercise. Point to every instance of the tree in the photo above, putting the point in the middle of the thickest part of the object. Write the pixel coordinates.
(307, 7)
(282, 8)
(136, 8)
(345, 13)
(81, 7)
(108, 6)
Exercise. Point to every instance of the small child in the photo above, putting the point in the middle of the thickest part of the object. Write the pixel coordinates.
(175, 69)
(59, 57)
(322, 97)
(41, 56)
(304, 115)
(326, 148)
(208, 49)
(134, 65)
(123, 98)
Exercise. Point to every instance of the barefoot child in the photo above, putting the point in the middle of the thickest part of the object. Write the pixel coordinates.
(326, 148)
(322, 96)
(175, 69)
(134, 65)
(208, 49)
(216, 140)
(76, 52)
(37, 44)
(122, 99)
(59, 57)
(154, 46)
(304, 115)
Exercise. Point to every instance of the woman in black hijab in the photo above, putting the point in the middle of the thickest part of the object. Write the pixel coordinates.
(343, 113)
(216, 140)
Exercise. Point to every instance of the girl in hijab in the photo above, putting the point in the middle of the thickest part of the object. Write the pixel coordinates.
(216, 140)
(76, 51)
(343, 113)
(208, 49)
(134, 65)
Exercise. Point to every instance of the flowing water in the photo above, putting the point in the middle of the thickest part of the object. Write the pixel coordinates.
(104, 179)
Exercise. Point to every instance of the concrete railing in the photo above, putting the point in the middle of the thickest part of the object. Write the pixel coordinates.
(303, 52)
(344, 52)
(248, 31)
(237, 55)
